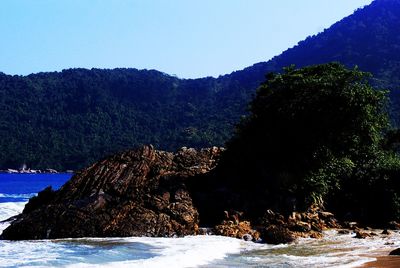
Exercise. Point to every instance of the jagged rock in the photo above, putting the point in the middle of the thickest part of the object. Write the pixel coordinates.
(306, 224)
(318, 226)
(385, 232)
(147, 192)
(362, 235)
(135, 193)
(300, 227)
(325, 215)
(242, 230)
(316, 235)
(393, 225)
(395, 252)
(277, 235)
(344, 231)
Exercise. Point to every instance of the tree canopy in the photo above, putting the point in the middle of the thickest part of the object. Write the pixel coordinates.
(314, 135)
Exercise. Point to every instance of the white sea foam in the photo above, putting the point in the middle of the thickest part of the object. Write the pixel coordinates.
(209, 251)
(28, 253)
(8, 210)
(333, 250)
(191, 251)
(27, 196)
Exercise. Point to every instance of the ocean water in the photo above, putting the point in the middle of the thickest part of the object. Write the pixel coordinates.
(194, 251)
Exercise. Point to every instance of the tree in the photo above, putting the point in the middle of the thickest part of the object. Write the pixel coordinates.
(312, 134)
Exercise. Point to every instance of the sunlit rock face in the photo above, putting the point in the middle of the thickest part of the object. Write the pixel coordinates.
(135, 193)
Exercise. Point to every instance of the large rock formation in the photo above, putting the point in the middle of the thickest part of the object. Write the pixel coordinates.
(136, 193)
(146, 192)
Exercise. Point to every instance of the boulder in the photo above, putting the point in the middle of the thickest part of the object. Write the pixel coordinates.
(277, 235)
(395, 252)
(300, 226)
(362, 235)
(241, 230)
(247, 237)
(135, 193)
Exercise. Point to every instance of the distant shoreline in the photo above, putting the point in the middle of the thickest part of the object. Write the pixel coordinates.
(35, 171)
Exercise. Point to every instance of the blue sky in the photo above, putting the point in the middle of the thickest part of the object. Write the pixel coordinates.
(187, 38)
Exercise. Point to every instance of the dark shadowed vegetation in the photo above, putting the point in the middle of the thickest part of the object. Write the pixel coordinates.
(316, 136)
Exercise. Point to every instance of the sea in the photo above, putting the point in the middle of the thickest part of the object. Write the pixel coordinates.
(333, 250)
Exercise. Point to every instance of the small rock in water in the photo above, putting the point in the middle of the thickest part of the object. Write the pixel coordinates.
(247, 237)
(205, 231)
(395, 252)
(385, 232)
(362, 235)
(277, 235)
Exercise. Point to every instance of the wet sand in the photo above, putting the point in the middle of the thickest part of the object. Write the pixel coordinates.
(384, 262)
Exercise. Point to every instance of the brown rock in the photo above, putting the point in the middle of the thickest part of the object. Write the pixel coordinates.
(135, 193)
(316, 235)
(344, 231)
(277, 235)
(362, 235)
(325, 215)
(318, 226)
(300, 227)
(241, 230)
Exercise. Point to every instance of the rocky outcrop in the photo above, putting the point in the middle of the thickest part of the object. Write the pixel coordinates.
(241, 229)
(146, 192)
(136, 193)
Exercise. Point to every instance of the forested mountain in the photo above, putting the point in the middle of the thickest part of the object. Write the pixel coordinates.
(369, 38)
(68, 119)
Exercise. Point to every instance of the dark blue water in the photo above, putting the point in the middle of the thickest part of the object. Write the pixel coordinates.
(20, 187)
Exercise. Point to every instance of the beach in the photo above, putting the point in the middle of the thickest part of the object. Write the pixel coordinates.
(384, 262)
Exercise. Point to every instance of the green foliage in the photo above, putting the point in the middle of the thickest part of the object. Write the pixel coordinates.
(366, 39)
(70, 119)
(313, 135)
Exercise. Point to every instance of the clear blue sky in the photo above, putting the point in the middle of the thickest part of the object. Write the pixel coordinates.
(184, 37)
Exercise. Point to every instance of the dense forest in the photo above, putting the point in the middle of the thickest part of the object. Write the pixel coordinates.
(68, 119)
(315, 136)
